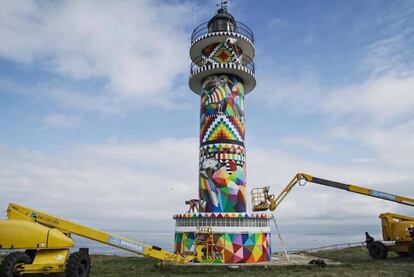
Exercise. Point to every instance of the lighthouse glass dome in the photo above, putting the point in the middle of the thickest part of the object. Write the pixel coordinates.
(222, 22)
(222, 73)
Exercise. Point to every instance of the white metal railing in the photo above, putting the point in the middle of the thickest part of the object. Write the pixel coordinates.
(222, 222)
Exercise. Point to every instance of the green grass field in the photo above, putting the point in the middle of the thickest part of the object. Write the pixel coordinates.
(355, 262)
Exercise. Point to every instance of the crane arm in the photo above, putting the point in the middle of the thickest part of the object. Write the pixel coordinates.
(300, 177)
(18, 212)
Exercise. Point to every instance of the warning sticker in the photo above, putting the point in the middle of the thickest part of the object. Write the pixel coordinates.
(126, 244)
(383, 195)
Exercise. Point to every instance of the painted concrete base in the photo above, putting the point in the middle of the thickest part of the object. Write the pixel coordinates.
(238, 237)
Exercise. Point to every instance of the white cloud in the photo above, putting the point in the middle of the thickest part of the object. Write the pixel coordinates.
(379, 100)
(312, 143)
(123, 180)
(144, 180)
(392, 145)
(373, 119)
(382, 100)
(101, 102)
(61, 120)
(132, 49)
(300, 94)
(392, 52)
(385, 95)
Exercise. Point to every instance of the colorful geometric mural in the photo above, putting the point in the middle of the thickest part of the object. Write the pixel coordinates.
(223, 53)
(222, 95)
(222, 127)
(184, 243)
(221, 229)
(222, 152)
(223, 215)
(236, 248)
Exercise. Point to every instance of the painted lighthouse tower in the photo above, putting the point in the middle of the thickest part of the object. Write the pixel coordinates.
(222, 73)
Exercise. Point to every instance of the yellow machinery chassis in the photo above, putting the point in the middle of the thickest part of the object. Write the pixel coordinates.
(47, 240)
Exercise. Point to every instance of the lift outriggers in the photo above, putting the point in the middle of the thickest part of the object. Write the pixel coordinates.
(47, 240)
(397, 230)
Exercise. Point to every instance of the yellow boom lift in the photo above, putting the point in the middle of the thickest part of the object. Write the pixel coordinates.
(397, 230)
(46, 240)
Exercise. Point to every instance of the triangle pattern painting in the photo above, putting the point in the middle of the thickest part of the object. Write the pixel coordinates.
(245, 248)
(222, 129)
(235, 247)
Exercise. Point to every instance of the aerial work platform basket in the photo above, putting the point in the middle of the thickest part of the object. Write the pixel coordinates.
(261, 200)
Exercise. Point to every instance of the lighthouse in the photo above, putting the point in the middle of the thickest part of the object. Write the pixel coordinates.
(222, 73)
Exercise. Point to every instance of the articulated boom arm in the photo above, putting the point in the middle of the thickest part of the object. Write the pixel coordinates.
(301, 177)
(16, 212)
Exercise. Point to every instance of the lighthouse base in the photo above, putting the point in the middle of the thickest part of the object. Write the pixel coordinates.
(232, 237)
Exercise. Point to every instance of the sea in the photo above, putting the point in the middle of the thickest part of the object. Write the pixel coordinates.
(292, 237)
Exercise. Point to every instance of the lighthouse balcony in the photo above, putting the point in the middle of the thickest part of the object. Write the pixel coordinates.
(239, 28)
(205, 34)
(202, 67)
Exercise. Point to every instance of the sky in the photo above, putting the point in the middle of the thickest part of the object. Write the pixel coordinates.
(98, 125)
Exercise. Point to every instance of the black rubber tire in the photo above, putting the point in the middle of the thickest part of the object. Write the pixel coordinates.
(78, 265)
(403, 254)
(32, 254)
(378, 250)
(411, 250)
(9, 263)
